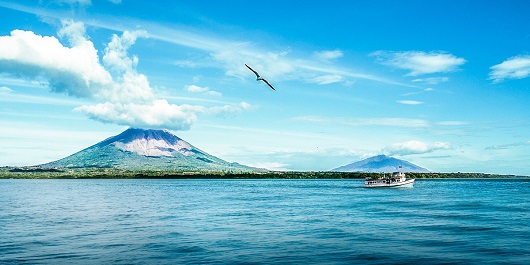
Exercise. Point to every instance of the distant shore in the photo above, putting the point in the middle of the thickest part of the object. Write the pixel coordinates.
(112, 173)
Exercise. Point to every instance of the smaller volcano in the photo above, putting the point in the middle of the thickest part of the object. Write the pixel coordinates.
(139, 149)
(381, 163)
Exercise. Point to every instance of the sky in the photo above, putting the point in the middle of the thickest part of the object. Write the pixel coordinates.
(442, 84)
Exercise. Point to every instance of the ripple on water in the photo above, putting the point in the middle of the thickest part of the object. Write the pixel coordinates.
(263, 221)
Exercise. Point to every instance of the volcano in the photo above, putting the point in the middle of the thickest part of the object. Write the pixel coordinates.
(381, 163)
(139, 149)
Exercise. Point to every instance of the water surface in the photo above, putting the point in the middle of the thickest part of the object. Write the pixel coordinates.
(263, 222)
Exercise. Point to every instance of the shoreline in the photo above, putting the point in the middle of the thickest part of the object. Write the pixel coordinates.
(112, 173)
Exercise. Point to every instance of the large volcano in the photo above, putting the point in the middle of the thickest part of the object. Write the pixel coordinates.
(139, 149)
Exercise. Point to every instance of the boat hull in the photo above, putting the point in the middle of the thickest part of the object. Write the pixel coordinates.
(401, 184)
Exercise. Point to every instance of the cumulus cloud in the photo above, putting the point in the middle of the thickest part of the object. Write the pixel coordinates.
(73, 70)
(329, 55)
(156, 114)
(517, 67)
(418, 62)
(116, 57)
(415, 147)
(125, 95)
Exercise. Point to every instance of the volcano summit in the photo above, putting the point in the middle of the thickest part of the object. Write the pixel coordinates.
(139, 149)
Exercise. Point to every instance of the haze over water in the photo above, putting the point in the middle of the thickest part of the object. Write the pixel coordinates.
(263, 221)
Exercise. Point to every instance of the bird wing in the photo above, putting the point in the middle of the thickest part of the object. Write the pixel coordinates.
(266, 82)
(256, 73)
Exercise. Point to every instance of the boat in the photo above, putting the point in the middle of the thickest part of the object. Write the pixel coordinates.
(396, 179)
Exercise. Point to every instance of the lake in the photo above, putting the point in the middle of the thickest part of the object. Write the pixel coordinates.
(94, 221)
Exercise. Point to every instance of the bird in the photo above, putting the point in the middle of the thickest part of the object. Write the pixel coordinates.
(259, 78)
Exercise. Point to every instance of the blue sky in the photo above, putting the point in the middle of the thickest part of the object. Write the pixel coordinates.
(442, 84)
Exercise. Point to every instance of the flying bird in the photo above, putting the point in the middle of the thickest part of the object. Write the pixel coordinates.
(259, 78)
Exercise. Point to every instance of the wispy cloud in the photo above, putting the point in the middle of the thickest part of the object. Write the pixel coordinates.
(230, 55)
(451, 123)
(419, 62)
(45, 100)
(415, 147)
(507, 146)
(74, 2)
(517, 67)
(394, 122)
(409, 102)
(81, 3)
(327, 79)
(432, 80)
(419, 92)
(202, 90)
(329, 55)
(5, 90)
(391, 122)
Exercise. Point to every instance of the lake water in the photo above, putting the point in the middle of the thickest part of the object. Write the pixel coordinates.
(263, 222)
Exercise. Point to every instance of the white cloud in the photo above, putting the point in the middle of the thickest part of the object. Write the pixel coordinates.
(202, 90)
(432, 80)
(73, 70)
(451, 123)
(415, 147)
(230, 55)
(116, 57)
(213, 93)
(508, 146)
(419, 63)
(270, 65)
(329, 55)
(196, 89)
(75, 2)
(327, 79)
(418, 92)
(410, 102)
(125, 95)
(156, 114)
(517, 67)
(390, 122)
(5, 90)
(73, 31)
(81, 2)
(226, 110)
(44, 100)
(394, 122)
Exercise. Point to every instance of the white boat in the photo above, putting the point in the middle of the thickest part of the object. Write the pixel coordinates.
(396, 179)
